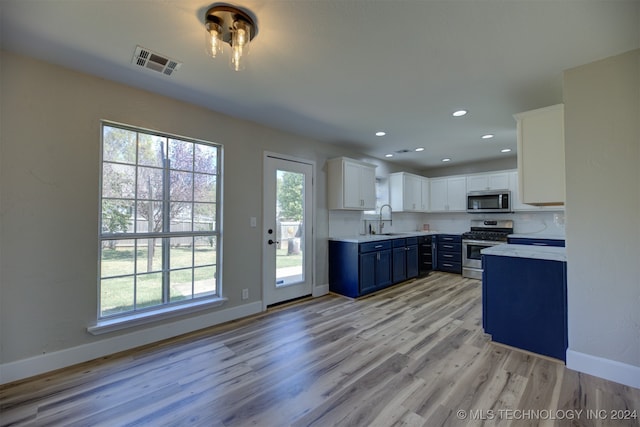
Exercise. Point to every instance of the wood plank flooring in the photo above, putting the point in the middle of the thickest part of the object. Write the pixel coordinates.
(413, 355)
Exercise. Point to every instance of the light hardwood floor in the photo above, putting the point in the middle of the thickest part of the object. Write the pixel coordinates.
(413, 355)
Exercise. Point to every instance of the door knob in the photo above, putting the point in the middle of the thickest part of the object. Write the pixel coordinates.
(271, 242)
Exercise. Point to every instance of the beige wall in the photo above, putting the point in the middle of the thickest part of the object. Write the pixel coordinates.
(503, 163)
(602, 137)
(49, 173)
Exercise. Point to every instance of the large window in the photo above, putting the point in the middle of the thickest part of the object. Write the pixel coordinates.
(159, 228)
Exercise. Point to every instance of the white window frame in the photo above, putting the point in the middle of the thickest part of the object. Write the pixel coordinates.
(167, 308)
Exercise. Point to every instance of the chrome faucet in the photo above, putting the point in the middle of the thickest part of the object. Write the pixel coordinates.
(380, 220)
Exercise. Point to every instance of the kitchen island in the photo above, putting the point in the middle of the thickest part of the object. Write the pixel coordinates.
(524, 297)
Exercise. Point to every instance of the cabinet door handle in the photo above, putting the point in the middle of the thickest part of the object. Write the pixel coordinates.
(377, 246)
(447, 256)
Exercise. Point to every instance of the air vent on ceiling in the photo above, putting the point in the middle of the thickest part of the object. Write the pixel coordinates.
(147, 58)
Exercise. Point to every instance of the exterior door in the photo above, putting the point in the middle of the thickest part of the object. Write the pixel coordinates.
(287, 229)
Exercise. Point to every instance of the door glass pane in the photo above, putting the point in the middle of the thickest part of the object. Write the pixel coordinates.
(290, 188)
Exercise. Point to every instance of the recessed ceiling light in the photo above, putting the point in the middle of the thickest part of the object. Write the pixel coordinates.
(487, 136)
(420, 149)
(459, 113)
(505, 150)
(446, 159)
(380, 133)
(388, 155)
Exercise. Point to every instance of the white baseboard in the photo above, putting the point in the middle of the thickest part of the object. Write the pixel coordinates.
(604, 368)
(320, 290)
(20, 369)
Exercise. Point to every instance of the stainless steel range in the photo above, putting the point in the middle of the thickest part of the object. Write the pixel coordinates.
(483, 234)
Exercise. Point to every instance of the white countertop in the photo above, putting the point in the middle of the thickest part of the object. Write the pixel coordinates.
(364, 238)
(551, 253)
(537, 236)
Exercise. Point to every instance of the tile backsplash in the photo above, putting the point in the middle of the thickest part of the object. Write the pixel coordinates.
(350, 223)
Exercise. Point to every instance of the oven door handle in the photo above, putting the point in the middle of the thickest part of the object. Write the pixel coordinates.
(483, 242)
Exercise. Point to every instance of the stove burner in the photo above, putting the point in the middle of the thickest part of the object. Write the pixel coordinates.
(483, 234)
(489, 230)
(493, 236)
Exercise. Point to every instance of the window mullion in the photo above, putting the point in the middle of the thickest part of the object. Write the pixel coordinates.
(135, 224)
(166, 218)
(193, 216)
(133, 156)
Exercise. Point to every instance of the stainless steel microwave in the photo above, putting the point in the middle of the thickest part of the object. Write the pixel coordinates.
(489, 201)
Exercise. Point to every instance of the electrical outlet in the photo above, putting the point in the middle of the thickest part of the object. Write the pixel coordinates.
(245, 294)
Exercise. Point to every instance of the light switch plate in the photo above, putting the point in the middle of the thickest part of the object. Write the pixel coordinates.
(253, 222)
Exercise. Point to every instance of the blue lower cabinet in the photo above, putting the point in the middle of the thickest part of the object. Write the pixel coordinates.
(368, 268)
(399, 260)
(524, 303)
(344, 268)
(375, 271)
(413, 262)
(357, 269)
(449, 253)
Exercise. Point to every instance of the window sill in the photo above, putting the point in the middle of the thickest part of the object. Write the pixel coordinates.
(110, 325)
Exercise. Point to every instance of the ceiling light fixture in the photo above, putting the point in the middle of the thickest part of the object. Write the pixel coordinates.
(505, 150)
(459, 113)
(487, 136)
(388, 155)
(420, 149)
(381, 133)
(446, 159)
(228, 24)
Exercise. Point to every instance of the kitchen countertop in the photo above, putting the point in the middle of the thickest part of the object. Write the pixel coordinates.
(537, 236)
(551, 253)
(377, 237)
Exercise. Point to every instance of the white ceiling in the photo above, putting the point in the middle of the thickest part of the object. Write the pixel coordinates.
(340, 70)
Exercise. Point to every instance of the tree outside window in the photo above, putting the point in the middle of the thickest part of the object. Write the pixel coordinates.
(159, 228)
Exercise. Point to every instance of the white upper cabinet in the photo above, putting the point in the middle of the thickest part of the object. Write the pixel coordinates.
(488, 181)
(438, 195)
(424, 185)
(457, 193)
(516, 203)
(351, 184)
(448, 194)
(408, 192)
(541, 156)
